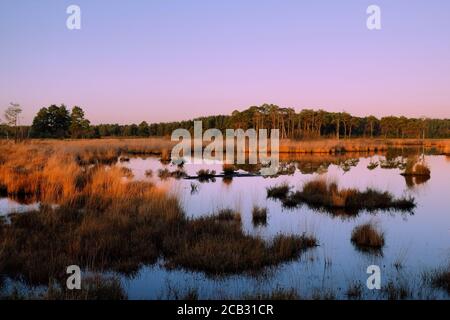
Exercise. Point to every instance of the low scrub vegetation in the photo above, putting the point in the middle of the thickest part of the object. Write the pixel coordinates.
(367, 237)
(323, 195)
(216, 248)
(354, 291)
(414, 167)
(106, 223)
(396, 291)
(278, 192)
(259, 216)
(229, 169)
(165, 174)
(206, 175)
(439, 278)
(228, 215)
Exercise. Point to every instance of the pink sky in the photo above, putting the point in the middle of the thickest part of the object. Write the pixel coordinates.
(163, 61)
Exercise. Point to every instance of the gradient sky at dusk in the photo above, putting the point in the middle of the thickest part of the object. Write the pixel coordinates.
(162, 60)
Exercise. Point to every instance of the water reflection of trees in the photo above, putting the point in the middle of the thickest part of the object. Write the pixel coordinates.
(319, 163)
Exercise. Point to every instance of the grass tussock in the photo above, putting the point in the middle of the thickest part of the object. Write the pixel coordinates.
(217, 248)
(354, 291)
(149, 173)
(372, 165)
(326, 294)
(414, 167)
(165, 174)
(367, 237)
(320, 194)
(421, 169)
(440, 279)
(228, 169)
(278, 192)
(206, 173)
(259, 216)
(228, 215)
(175, 293)
(396, 291)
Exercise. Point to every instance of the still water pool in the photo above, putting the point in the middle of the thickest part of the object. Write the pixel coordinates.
(416, 242)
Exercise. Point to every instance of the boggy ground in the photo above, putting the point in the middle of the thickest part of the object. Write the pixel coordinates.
(95, 217)
(105, 222)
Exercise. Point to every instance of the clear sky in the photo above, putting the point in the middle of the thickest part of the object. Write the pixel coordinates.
(161, 60)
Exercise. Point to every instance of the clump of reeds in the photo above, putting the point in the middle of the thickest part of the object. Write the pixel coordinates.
(354, 291)
(228, 215)
(414, 167)
(223, 248)
(279, 191)
(165, 174)
(372, 165)
(367, 237)
(100, 156)
(149, 173)
(205, 175)
(394, 163)
(440, 278)
(319, 193)
(286, 168)
(259, 216)
(38, 173)
(289, 245)
(347, 164)
(127, 172)
(179, 173)
(326, 294)
(396, 291)
(228, 169)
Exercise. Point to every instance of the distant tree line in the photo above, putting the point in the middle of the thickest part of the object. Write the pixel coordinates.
(58, 122)
(307, 123)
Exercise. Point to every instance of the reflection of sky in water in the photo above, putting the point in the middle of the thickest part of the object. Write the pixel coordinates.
(420, 242)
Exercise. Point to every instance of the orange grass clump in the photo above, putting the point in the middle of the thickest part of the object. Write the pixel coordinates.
(367, 237)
